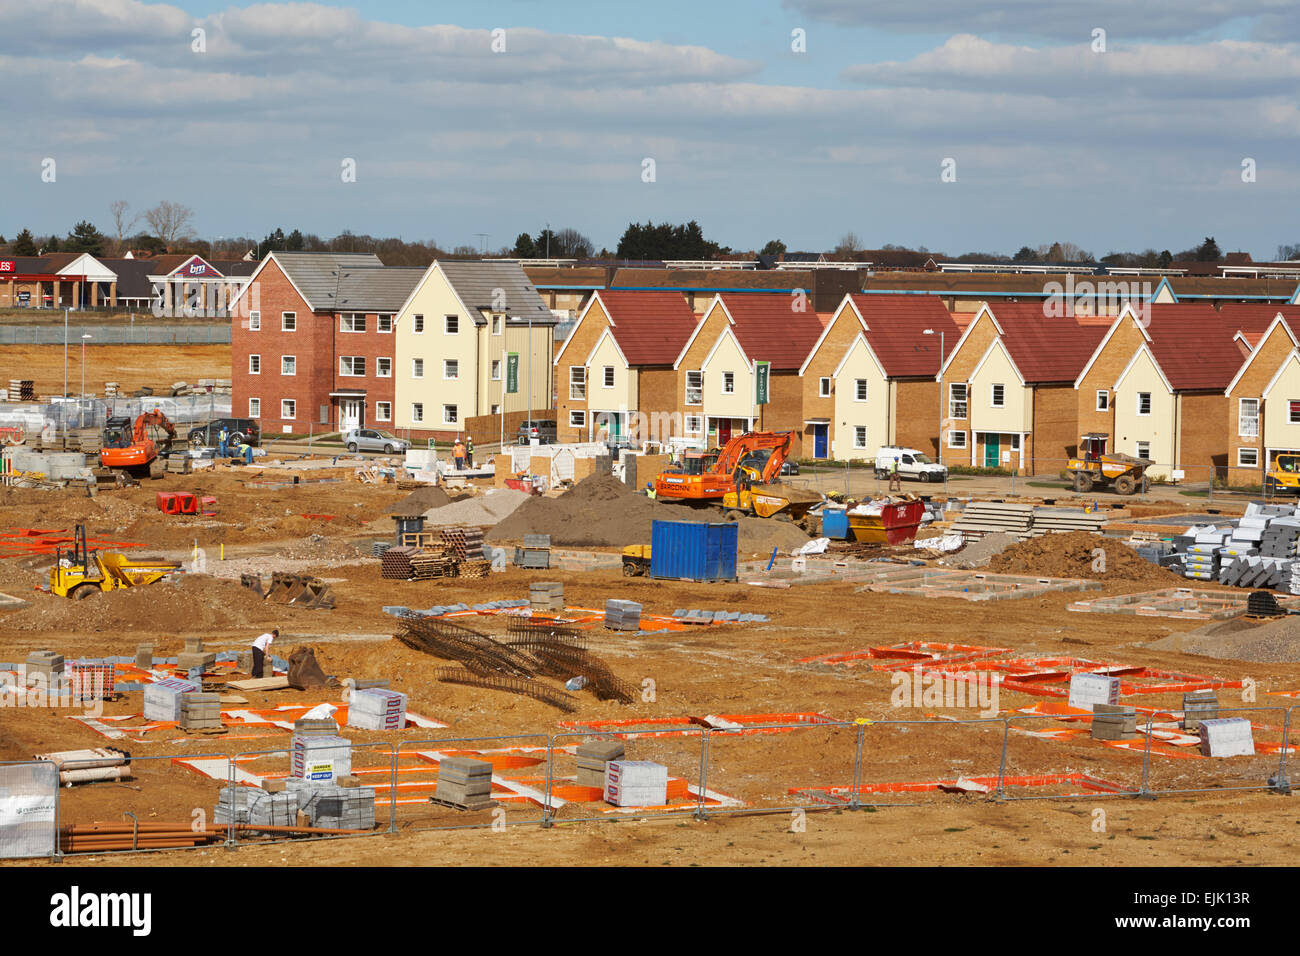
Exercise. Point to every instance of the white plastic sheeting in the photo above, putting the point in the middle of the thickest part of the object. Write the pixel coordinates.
(29, 795)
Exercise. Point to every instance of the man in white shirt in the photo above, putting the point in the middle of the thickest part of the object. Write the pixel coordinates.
(260, 646)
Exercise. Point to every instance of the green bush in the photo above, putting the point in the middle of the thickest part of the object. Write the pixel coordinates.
(983, 472)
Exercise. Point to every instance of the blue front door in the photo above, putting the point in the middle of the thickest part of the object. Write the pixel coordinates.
(819, 440)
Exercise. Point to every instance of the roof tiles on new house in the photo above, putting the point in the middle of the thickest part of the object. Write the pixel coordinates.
(896, 327)
(650, 327)
(770, 328)
(1193, 343)
(1044, 348)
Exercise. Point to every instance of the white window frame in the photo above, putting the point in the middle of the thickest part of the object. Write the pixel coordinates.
(293, 359)
(383, 411)
(454, 418)
(577, 389)
(382, 319)
(993, 395)
(1015, 441)
(498, 323)
(860, 389)
(607, 376)
(450, 370)
(577, 418)
(957, 433)
(1103, 400)
(693, 424)
(728, 383)
(1150, 404)
(255, 321)
(346, 317)
(352, 373)
(288, 409)
(954, 402)
(698, 390)
(417, 412)
(859, 436)
(496, 370)
(254, 408)
(288, 321)
(417, 368)
(1245, 430)
(254, 364)
(824, 387)
(1253, 452)
(380, 371)
(451, 324)
(417, 324)
(1137, 449)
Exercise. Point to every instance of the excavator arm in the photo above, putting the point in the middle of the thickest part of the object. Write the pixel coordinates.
(741, 447)
(155, 418)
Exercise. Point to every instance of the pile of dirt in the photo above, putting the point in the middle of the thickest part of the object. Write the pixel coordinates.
(1273, 642)
(477, 511)
(1073, 555)
(421, 500)
(981, 551)
(600, 511)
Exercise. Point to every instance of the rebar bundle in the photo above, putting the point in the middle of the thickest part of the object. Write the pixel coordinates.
(514, 685)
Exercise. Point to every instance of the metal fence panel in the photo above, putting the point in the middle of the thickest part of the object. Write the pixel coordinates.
(29, 796)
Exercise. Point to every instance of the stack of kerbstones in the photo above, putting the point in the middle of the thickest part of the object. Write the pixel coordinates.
(1199, 705)
(592, 758)
(200, 711)
(1113, 722)
(194, 656)
(46, 663)
(232, 805)
(465, 783)
(546, 595)
(622, 615)
(340, 808)
(271, 809)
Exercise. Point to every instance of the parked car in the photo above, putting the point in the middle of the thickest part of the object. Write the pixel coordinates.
(372, 439)
(238, 430)
(543, 429)
(911, 464)
(790, 467)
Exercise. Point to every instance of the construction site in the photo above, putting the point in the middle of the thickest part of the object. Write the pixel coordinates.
(751, 671)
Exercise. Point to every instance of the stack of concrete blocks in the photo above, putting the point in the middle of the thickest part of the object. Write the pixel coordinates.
(1227, 737)
(622, 615)
(339, 808)
(200, 711)
(271, 809)
(374, 708)
(47, 664)
(194, 656)
(636, 783)
(1202, 561)
(144, 656)
(1088, 690)
(1113, 722)
(315, 727)
(592, 758)
(464, 783)
(162, 699)
(232, 805)
(320, 758)
(244, 660)
(1198, 705)
(546, 595)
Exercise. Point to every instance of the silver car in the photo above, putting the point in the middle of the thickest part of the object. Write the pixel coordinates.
(372, 439)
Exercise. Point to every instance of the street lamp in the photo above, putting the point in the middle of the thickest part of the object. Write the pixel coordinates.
(940, 377)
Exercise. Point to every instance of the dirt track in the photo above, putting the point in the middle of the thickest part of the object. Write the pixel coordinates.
(131, 366)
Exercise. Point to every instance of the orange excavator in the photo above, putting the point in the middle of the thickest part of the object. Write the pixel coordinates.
(743, 479)
(131, 449)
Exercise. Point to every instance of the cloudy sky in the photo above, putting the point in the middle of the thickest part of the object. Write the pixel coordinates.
(1052, 138)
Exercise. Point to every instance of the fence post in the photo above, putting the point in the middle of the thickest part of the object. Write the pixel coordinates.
(1146, 760)
(230, 832)
(550, 775)
(857, 762)
(1002, 765)
(701, 811)
(1280, 782)
(392, 792)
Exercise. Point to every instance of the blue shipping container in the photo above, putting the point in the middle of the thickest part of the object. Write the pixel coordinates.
(835, 523)
(694, 551)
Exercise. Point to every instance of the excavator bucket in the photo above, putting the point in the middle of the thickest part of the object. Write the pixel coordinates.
(316, 594)
(284, 587)
(254, 583)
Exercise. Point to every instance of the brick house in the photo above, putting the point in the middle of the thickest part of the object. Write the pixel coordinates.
(618, 362)
(316, 350)
(871, 378)
(1263, 397)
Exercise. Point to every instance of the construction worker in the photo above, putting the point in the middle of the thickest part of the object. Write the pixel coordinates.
(246, 450)
(650, 490)
(222, 437)
(260, 645)
(469, 450)
(458, 454)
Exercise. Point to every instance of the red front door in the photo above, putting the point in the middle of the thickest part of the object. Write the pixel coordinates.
(724, 431)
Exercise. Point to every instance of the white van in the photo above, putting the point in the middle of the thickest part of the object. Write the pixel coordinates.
(911, 464)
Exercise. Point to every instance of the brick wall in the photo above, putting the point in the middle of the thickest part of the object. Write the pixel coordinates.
(1055, 437)
(1269, 356)
(1201, 446)
(916, 419)
(580, 343)
(370, 345)
(1110, 364)
(785, 410)
(843, 329)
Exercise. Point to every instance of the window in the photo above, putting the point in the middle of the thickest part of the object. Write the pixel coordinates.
(288, 409)
(728, 383)
(417, 412)
(353, 322)
(451, 368)
(496, 325)
(417, 324)
(496, 370)
(255, 365)
(451, 324)
(1293, 412)
(860, 436)
(957, 402)
(1103, 400)
(254, 408)
(577, 419)
(577, 382)
(288, 365)
(608, 379)
(1015, 443)
(384, 367)
(956, 439)
(450, 415)
(1142, 449)
(1144, 403)
(496, 410)
(352, 365)
(1248, 417)
(694, 388)
(417, 368)
(694, 425)
(859, 389)
(288, 321)
(998, 396)
(384, 323)
(1247, 457)
(824, 387)
(255, 321)
(384, 411)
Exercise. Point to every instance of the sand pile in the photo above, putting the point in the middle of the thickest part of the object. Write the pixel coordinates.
(1273, 642)
(601, 511)
(1070, 555)
(482, 510)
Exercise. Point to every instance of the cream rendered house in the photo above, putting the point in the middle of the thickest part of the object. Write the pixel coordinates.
(611, 390)
(1282, 410)
(728, 384)
(452, 341)
(1000, 403)
(864, 397)
(1145, 406)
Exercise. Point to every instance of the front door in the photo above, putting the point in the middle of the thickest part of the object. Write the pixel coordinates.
(351, 415)
(819, 440)
(992, 447)
(724, 431)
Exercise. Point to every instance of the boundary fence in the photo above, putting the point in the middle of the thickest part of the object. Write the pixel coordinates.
(142, 333)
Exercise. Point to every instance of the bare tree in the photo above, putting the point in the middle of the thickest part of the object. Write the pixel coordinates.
(123, 221)
(849, 244)
(170, 221)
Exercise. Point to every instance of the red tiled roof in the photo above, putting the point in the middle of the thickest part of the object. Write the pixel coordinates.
(650, 327)
(770, 329)
(1045, 349)
(896, 327)
(1193, 343)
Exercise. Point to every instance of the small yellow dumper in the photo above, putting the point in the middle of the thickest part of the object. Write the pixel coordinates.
(81, 573)
(1096, 470)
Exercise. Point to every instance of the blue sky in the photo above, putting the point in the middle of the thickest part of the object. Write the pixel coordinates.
(1139, 145)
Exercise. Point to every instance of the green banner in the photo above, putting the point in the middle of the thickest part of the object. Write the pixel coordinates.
(762, 377)
(512, 372)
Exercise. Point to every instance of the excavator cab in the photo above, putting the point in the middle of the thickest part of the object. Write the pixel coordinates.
(117, 432)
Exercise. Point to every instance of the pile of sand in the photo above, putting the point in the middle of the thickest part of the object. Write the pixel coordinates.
(1274, 642)
(481, 511)
(1073, 555)
(600, 511)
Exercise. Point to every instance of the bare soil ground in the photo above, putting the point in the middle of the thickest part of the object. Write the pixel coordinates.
(733, 669)
(131, 366)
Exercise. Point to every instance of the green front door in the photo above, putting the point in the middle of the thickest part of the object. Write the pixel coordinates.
(992, 447)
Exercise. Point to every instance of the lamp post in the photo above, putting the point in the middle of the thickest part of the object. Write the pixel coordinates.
(940, 377)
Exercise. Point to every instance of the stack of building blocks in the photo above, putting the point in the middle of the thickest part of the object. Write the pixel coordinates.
(144, 656)
(200, 711)
(375, 708)
(592, 758)
(636, 783)
(319, 758)
(339, 808)
(162, 699)
(46, 663)
(546, 595)
(464, 783)
(271, 809)
(622, 615)
(1199, 705)
(194, 657)
(1087, 690)
(1113, 722)
(232, 805)
(1227, 737)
